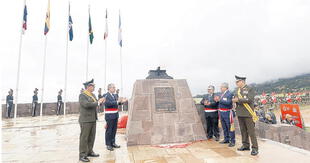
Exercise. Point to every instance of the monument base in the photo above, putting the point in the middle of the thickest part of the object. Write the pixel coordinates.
(162, 111)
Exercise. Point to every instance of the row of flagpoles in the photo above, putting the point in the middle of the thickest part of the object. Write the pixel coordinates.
(69, 38)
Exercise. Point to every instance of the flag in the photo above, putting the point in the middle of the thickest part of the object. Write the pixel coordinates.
(47, 19)
(24, 28)
(120, 39)
(106, 24)
(70, 26)
(90, 31)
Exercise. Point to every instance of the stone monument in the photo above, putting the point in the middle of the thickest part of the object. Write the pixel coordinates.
(162, 111)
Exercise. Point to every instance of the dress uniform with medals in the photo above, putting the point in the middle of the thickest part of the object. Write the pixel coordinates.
(244, 98)
(87, 119)
(34, 102)
(9, 103)
(211, 114)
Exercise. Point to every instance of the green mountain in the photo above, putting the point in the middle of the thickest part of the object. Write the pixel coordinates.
(284, 85)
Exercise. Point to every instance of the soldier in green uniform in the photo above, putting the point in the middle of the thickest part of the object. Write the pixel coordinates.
(244, 98)
(87, 120)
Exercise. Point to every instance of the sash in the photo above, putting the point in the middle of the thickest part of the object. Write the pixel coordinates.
(247, 106)
(90, 95)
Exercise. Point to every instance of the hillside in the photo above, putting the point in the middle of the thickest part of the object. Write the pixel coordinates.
(293, 84)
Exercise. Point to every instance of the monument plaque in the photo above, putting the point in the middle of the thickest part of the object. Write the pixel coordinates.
(162, 111)
(164, 99)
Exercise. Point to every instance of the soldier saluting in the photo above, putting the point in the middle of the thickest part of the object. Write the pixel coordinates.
(34, 102)
(244, 98)
(87, 120)
(9, 103)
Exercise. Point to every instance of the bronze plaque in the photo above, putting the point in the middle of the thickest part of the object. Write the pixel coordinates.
(164, 99)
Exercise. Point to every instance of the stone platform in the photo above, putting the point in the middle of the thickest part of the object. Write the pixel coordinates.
(56, 139)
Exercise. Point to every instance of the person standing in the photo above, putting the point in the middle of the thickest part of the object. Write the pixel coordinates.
(111, 116)
(59, 102)
(87, 119)
(9, 103)
(244, 98)
(34, 102)
(211, 113)
(99, 97)
(227, 115)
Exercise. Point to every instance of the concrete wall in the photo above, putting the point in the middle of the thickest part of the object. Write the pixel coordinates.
(24, 110)
(282, 133)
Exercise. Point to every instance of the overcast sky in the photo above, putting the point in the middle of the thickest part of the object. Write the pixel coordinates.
(203, 41)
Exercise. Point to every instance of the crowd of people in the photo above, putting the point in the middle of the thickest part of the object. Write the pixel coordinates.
(283, 98)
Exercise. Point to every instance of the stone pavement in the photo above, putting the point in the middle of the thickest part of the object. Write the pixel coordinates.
(56, 139)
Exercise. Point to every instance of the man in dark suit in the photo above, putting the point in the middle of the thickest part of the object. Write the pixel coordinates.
(111, 116)
(87, 120)
(226, 115)
(211, 113)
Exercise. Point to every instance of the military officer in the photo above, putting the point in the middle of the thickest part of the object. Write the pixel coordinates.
(34, 102)
(244, 98)
(9, 103)
(87, 119)
(111, 116)
(211, 113)
(226, 115)
(59, 102)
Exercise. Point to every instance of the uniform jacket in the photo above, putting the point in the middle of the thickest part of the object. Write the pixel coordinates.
(88, 106)
(35, 98)
(9, 100)
(247, 94)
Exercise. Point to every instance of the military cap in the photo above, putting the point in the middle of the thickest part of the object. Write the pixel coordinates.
(91, 82)
(238, 78)
(211, 87)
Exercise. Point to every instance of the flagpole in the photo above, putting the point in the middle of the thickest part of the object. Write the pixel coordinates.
(121, 61)
(87, 53)
(105, 51)
(66, 65)
(105, 65)
(18, 65)
(43, 76)
(87, 60)
(120, 52)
